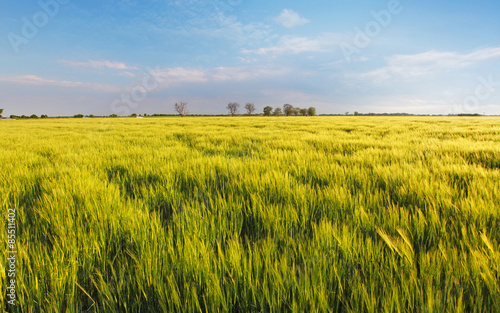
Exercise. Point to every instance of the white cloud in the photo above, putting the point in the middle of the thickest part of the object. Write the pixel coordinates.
(408, 103)
(294, 96)
(206, 19)
(166, 77)
(36, 80)
(169, 76)
(246, 73)
(430, 62)
(184, 75)
(290, 18)
(99, 64)
(230, 29)
(296, 45)
(127, 74)
(290, 45)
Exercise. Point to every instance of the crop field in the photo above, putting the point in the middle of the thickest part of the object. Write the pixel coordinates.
(252, 214)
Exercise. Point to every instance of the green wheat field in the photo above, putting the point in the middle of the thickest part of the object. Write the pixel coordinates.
(253, 214)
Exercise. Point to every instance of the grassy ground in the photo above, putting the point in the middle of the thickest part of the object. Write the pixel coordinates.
(346, 214)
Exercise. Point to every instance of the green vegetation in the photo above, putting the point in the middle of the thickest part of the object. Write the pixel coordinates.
(289, 110)
(267, 111)
(312, 111)
(249, 214)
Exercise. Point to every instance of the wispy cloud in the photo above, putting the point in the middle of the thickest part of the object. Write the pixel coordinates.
(246, 73)
(229, 29)
(127, 74)
(290, 18)
(296, 45)
(99, 64)
(430, 62)
(37, 80)
(184, 75)
(169, 76)
(165, 76)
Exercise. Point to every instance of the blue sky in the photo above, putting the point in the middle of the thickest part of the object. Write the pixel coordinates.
(63, 57)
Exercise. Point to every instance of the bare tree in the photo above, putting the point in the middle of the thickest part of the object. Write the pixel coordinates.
(181, 108)
(233, 108)
(288, 109)
(250, 107)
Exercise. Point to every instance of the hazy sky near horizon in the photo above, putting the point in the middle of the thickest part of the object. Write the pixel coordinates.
(63, 57)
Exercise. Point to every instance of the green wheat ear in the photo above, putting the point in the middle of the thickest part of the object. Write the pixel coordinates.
(253, 214)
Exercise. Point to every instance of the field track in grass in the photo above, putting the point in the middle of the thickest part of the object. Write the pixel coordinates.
(253, 214)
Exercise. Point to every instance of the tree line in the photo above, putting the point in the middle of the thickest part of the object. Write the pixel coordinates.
(33, 116)
(182, 109)
(289, 110)
(233, 107)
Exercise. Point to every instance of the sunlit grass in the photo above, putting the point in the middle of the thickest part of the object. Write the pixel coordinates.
(317, 214)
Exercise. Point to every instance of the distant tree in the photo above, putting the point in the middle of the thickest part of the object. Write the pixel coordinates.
(24, 116)
(14, 116)
(296, 111)
(78, 116)
(288, 109)
(250, 107)
(91, 115)
(356, 113)
(34, 116)
(1, 111)
(113, 115)
(181, 108)
(44, 116)
(232, 107)
(346, 113)
(312, 111)
(268, 110)
(304, 112)
(133, 115)
(277, 112)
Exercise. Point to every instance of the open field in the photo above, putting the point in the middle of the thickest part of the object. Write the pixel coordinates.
(317, 214)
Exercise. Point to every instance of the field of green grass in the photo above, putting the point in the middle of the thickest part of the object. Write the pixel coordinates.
(253, 214)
